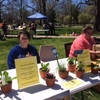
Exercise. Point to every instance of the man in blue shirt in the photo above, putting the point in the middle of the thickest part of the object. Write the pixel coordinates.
(24, 49)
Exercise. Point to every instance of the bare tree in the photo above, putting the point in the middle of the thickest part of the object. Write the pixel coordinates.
(20, 6)
(96, 3)
(1, 1)
(44, 6)
(97, 17)
(9, 11)
(13, 10)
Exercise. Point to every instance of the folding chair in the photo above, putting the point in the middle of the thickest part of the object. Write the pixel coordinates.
(97, 40)
(67, 48)
(46, 53)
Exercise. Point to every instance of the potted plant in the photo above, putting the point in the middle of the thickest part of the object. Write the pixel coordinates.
(71, 64)
(6, 82)
(94, 68)
(50, 79)
(80, 69)
(62, 71)
(44, 70)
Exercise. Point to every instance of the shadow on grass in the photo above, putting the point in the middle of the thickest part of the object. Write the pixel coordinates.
(49, 34)
(35, 38)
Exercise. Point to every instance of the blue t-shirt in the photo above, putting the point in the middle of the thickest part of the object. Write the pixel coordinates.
(18, 52)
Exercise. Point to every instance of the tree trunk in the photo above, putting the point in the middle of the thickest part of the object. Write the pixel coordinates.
(0, 13)
(97, 17)
(44, 8)
(1, 1)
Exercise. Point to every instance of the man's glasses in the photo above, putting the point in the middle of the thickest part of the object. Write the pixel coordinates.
(24, 38)
(90, 33)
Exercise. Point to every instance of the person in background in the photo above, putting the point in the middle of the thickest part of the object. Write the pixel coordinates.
(20, 28)
(14, 26)
(74, 34)
(46, 26)
(32, 29)
(51, 28)
(23, 49)
(4, 28)
(84, 41)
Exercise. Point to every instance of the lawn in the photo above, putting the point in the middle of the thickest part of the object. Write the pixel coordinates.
(58, 30)
(58, 43)
(5, 47)
(10, 42)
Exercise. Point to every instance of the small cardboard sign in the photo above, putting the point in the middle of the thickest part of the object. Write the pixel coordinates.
(76, 52)
(72, 83)
(27, 71)
(54, 51)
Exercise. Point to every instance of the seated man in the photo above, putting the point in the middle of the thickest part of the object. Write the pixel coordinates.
(84, 41)
(23, 49)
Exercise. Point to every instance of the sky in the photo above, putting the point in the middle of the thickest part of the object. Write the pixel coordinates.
(76, 1)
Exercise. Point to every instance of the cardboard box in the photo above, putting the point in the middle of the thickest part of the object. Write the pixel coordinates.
(97, 88)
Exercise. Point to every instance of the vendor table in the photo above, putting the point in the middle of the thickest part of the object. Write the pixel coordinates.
(58, 91)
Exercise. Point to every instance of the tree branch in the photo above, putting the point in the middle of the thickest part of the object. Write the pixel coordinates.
(1, 1)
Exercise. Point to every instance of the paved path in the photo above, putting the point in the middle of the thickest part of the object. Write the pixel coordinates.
(44, 36)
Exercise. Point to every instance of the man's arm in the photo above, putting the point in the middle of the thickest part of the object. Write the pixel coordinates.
(10, 59)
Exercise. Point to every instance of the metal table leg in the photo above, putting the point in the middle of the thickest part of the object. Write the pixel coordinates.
(82, 97)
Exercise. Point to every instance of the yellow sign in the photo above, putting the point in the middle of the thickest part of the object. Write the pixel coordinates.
(85, 58)
(72, 83)
(27, 71)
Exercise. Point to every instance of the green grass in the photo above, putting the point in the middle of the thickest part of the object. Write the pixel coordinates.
(5, 47)
(58, 31)
(68, 30)
(88, 94)
(58, 43)
(9, 43)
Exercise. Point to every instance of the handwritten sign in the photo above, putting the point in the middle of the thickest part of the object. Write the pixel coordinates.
(27, 71)
(85, 58)
(72, 83)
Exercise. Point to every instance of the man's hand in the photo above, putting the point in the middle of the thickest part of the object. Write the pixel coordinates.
(98, 53)
(28, 54)
(93, 52)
